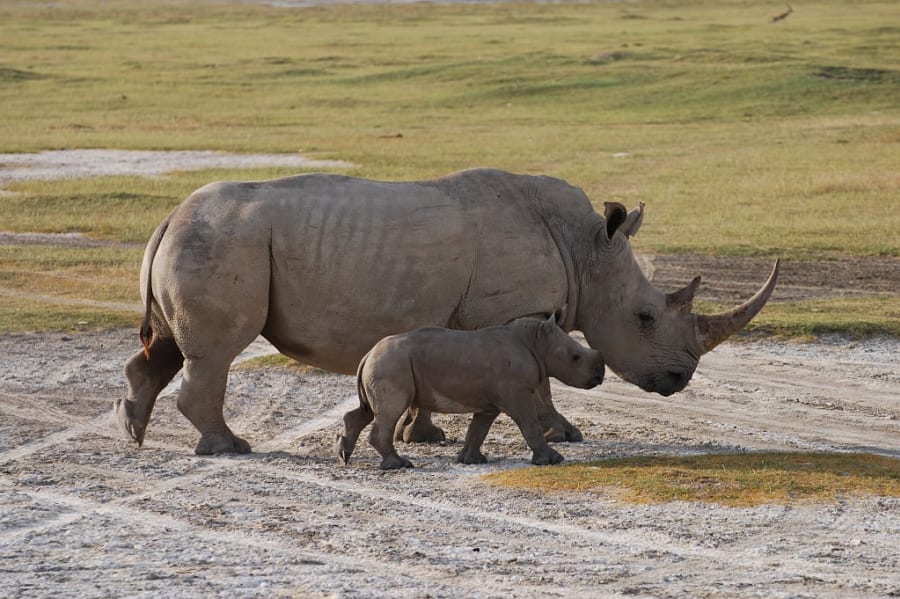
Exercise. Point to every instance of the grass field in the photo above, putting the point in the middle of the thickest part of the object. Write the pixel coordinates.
(741, 135)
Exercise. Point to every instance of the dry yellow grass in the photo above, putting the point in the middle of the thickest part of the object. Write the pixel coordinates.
(737, 480)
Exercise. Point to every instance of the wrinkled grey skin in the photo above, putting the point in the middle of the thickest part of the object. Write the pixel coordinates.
(484, 372)
(324, 266)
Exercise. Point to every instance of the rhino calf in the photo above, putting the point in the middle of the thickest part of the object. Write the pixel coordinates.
(486, 371)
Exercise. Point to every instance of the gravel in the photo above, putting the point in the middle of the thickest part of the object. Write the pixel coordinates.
(85, 513)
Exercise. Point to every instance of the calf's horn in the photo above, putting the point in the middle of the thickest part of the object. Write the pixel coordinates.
(713, 330)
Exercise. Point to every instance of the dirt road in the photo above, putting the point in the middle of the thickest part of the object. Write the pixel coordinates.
(83, 512)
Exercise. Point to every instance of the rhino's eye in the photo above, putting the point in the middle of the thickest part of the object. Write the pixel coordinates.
(576, 357)
(646, 318)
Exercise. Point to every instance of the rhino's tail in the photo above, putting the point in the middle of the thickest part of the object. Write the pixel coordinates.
(146, 331)
(364, 402)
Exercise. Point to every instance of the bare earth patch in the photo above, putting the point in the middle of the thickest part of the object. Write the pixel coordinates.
(70, 164)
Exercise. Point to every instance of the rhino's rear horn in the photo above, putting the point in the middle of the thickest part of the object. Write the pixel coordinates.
(713, 330)
(683, 297)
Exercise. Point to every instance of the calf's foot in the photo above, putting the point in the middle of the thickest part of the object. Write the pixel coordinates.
(213, 443)
(558, 430)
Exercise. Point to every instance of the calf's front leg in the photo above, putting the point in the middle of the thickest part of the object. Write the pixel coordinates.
(555, 426)
(525, 415)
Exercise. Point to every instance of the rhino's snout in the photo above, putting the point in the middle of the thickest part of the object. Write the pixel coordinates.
(669, 382)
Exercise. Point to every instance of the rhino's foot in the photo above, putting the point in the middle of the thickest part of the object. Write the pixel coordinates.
(550, 457)
(133, 426)
(471, 457)
(394, 462)
(423, 433)
(212, 443)
(343, 448)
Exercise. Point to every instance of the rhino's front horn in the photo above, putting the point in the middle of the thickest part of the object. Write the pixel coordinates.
(713, 330)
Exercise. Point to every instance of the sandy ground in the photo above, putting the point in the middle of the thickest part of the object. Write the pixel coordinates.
(85, 513)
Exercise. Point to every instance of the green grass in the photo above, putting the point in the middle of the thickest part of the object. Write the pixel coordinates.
(737, 480)
(742, 136)
(22, 315)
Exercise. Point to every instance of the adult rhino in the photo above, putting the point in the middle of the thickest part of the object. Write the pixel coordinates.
(324, 266)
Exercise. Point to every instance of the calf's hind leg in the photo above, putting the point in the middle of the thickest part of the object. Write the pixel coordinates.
(389, 403)
(146, 378)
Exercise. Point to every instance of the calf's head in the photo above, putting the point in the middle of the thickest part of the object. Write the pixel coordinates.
(566, 359)
(649, 338)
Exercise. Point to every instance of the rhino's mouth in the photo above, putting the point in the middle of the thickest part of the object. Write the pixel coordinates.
(668, 382)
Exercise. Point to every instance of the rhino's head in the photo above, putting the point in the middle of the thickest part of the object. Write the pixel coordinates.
(648, 337)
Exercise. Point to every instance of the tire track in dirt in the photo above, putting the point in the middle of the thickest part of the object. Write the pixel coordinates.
(804, 427)
(199, 478)
(437, 577)
(579, 545)
(772, 401)
(105, 422)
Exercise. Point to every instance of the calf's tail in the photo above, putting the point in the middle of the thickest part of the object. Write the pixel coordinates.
(146, 331)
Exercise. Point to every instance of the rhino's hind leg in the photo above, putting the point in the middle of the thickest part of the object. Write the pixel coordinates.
(417, 427)
(556, 428)
(478, 430)
(354, 422)
(146, 378)
(201, 399)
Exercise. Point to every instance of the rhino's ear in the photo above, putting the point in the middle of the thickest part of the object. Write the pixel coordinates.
(616, 215)
(633, 221)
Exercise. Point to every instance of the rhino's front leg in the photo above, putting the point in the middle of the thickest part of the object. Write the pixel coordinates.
(478, 430)
(556, 428)
(416, 427)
